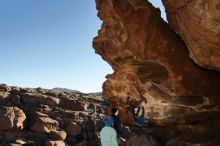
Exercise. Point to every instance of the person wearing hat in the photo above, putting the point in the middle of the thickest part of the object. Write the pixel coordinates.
(108, 134)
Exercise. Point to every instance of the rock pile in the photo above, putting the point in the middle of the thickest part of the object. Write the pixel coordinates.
(44, 117)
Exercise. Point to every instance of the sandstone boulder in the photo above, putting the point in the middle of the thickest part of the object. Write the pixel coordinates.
(73, 129)
(58, 135)
(15, 99)
(12, 119)
(198, 24)
(4, 97)
(71, 103)
(34, 99)
(4, 88)
(44, 124)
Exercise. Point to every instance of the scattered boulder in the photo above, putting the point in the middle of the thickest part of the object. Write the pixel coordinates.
(71, 103)
(73, 129)
(52, 93)
(4, 88)
(34, 99)
(42, 112)
(15, 90)
(11, 119)
(58, 135)
(15, 99)
(44, 125)
(4, 97)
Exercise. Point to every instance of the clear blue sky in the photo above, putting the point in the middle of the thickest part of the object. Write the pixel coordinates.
(48, 43)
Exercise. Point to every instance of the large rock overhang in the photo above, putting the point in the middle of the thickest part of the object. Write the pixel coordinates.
(150, 61)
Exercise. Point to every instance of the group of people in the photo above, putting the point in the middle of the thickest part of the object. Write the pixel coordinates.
(111, 133)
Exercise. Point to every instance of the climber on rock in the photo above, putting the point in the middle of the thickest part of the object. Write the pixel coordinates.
(138, 113)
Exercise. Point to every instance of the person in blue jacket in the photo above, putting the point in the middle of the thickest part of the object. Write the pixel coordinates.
(138, 114)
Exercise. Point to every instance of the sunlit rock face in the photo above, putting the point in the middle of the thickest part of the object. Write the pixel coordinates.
(150, 61)
(198, 24)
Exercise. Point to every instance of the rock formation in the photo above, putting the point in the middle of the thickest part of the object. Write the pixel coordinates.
(44, 117)
(149, 60)
(198, 24)
(169, 65)
(11, 119)
(173, 66)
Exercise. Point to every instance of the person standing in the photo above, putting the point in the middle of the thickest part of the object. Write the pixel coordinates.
(108, 134)
(89, 133)
(117, 122)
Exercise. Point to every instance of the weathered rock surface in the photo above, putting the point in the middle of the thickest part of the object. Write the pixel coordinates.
(58, 135)
(39, 115)
(149, 60)
(11, 119)
(73, 129)
(44, 124)
(198, 24)
(33, 98)
(4, 97)
(143, 140)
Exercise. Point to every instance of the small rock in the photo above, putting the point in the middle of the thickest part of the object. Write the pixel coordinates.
(58, 135)
(4, 88)
(54, 143)
(70, 103)
(4, 97)
(15, 99)
(73, 129)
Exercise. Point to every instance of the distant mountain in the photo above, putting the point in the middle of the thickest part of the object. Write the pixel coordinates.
(76, 91)
(65, 90)
(95, 93)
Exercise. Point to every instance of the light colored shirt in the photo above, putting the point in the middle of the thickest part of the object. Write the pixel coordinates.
(108, 136)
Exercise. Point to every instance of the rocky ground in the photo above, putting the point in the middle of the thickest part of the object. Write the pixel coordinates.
(38, 117)
(173, 65)
(44, 117)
